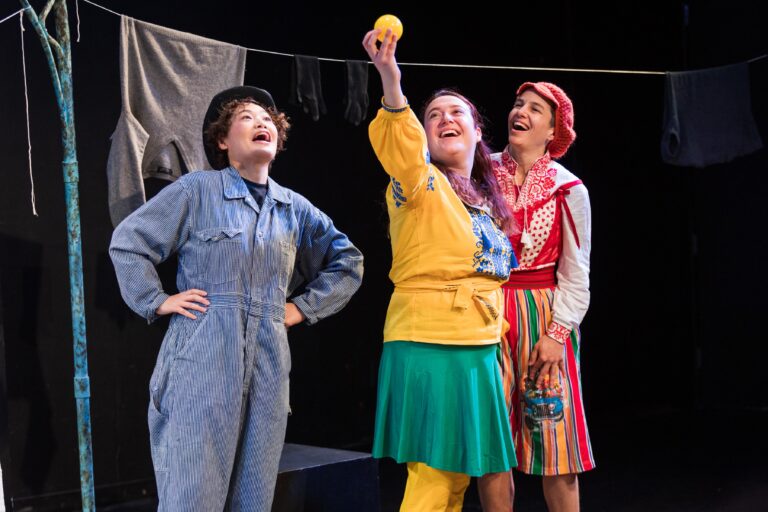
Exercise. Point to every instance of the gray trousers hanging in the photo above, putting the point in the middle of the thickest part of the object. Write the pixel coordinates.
(167, 79)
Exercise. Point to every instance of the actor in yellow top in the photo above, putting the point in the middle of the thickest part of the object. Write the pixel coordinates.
(440, 404)
(448, 258)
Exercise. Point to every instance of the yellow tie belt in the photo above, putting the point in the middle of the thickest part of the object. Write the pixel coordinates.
(464, 294)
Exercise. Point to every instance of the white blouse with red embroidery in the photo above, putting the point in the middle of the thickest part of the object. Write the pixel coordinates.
(552, 212)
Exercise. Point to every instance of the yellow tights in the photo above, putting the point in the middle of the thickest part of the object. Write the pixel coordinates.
(433, 490)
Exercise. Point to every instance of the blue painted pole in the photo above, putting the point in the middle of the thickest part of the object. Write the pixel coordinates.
(59, 55)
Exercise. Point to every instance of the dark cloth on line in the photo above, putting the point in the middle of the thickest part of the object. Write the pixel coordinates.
(708, 117)
(356, 100)
(306, 88)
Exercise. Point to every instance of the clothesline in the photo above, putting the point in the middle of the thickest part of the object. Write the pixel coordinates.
(460, 66)
(14, 14)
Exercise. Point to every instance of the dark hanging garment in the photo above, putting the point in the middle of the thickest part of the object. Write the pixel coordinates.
(305, 85)
(356, 100)
(708, 117)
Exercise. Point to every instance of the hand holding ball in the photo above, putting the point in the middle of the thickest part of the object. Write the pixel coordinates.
(391, 22)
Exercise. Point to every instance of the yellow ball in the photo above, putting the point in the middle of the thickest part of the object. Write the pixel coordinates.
(389, 21)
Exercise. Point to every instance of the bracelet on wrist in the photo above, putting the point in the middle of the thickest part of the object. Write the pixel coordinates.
(394, 110)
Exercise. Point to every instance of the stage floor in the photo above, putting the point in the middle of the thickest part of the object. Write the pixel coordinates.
(660, 461)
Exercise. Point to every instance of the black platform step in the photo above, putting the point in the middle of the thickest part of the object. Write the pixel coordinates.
(314, 479)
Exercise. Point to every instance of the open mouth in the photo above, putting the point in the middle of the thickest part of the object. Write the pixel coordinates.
(449, 133)
(519, 127)
(262, 137)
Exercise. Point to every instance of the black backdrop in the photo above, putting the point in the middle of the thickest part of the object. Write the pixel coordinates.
(675, 322)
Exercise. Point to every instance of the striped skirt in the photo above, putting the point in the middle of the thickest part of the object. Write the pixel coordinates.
(547, 444)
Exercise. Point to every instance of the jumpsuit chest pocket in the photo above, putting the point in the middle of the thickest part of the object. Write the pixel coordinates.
(221, 252)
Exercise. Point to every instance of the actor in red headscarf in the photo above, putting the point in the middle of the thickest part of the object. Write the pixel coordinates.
(547, 296)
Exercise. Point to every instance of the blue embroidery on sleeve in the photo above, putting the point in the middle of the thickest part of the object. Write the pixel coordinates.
(397, 193)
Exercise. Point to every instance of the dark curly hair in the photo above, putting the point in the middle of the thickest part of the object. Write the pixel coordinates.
(218, 129)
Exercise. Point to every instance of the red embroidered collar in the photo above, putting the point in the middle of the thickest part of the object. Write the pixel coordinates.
(538, 185)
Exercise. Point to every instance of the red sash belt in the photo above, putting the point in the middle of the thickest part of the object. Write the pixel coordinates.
(532, 279)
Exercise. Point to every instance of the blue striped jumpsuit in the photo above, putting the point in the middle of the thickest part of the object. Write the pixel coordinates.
(219, 392)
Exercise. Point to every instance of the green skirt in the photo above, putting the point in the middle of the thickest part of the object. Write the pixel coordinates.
(443, 405)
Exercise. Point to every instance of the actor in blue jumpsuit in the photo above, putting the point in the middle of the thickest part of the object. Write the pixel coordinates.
(219, 391)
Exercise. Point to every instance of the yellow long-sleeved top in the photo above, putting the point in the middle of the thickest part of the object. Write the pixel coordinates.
(448, 259)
